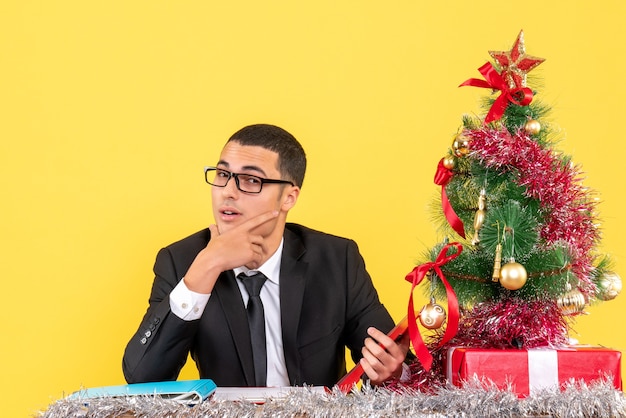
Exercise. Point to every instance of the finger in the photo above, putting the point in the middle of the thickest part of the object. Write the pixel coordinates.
(379, 336)
(371, 353)
(375, 348)
(257, 243)
(382, 356)
(258, 253)
(369, 370)
(384, 341)
(258, 220)
(404, 342)
(378, 364)
(214, 230)
(396, 349)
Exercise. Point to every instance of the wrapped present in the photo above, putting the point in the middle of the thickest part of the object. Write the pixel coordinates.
(529, 371)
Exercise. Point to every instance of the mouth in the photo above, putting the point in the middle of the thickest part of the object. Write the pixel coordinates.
(229, 213)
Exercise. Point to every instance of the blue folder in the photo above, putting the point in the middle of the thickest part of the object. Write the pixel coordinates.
(184, 391)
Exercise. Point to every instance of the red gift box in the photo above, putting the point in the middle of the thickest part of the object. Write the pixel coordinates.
(528, 371)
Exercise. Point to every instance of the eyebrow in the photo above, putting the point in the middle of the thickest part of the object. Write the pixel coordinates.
(244, 168)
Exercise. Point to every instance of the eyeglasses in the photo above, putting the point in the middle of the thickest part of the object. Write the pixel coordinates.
(246, 183)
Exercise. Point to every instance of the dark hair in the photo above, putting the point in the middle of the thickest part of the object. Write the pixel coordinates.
(291, 156)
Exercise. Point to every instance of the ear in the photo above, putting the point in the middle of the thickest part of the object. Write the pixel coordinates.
(290, 197)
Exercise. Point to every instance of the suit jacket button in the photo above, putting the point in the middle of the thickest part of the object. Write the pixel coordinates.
(144, 340)
(148, 334)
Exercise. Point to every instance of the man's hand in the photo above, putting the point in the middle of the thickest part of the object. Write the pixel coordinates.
(237, 247)
(382, 356)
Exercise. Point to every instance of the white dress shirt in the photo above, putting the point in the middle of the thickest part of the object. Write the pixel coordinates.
(189, 306)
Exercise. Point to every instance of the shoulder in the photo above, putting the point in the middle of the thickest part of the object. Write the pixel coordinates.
(307, 233)
(197, 238)
(191, 244)
(174, 259)
(314, 240)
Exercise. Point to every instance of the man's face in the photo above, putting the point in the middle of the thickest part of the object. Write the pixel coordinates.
(231, 206)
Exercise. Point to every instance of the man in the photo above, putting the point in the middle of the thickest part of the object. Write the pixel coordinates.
(316, 295)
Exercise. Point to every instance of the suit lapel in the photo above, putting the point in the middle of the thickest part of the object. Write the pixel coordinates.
(229, 296)
(292, 283)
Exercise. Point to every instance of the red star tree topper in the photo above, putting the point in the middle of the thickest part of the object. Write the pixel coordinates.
(516, 64)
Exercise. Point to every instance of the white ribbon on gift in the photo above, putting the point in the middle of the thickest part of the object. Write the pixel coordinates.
(543, 369)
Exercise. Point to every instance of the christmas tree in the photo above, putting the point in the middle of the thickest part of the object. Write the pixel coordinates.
(521, 258)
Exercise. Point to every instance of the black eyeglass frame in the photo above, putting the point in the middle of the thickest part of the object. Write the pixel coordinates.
(262, 180)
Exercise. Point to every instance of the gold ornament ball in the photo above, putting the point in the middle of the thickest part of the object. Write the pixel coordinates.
(532, 127)
(572, 302)
(432, 316)
(449, 162)
(513, 276)
(461, 145)
(609, 286)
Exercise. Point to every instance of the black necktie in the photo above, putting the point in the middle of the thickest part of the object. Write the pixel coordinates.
(256, 320)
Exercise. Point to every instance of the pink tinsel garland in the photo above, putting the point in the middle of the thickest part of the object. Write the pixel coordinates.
(554, 183)
(502, 324)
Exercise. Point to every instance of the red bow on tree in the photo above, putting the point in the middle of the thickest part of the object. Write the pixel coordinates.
(521, 96)
(415, 277)
(443, 176)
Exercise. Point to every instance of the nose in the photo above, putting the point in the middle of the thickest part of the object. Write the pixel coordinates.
(230, 189)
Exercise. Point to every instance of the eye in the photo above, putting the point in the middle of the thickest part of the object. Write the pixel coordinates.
(222, 173)
(253, 180)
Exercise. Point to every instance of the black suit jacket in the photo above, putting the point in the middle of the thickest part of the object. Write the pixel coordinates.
(327, 302)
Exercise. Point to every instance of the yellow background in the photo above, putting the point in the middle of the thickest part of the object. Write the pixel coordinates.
(110, 109)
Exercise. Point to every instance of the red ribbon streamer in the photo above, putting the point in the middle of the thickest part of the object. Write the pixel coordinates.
(442, 178)
(521, 96)
(415, 277)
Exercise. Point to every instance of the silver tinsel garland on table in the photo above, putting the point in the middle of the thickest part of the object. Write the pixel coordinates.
(475, 399)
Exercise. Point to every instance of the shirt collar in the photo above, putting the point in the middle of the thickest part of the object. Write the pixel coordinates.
(271, 268)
